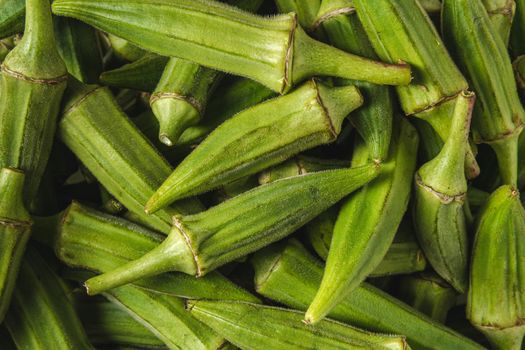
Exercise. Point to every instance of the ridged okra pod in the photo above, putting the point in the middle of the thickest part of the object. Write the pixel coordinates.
(440, 190)
(11, 17)
(259, 137)
(94, 127)
(274, 51)
(100, 242)
(202, 242)
(517, 44)
(373, 120)
(479, 51)
(367, 222)
(15, 228)
(42, 316)
(260, 327)
(125, 50)
(33, 79)
(496, 297)
(306, 11)
(501, 14)
(291, 276)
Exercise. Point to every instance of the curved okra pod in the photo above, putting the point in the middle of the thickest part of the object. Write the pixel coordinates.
(367, 222)
(202, 242)
(15, 227)
(125, 50)
(259, 137)
(261, 327)
(501, 14)
(480, 52)
(497, 293)
(32, 81)
(373, 121)
(517, 44)
(96, 241)
(94, 127)
(41, 316)
(274, 51)
(291, 276)
(440, 191)
(11, 17)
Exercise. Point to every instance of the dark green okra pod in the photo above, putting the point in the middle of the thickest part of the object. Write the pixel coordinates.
(260, 327)
(519, 71)
(11, 17)
(367, 222)
(202, 242)
(291, 276)
(274, 51)
(496, 297)
(41, 316)
(117, 153)
(478, 49)
(517, 44)
(6, 45)
(440, 190)
(501, 14)
(259, 137)
(33, 79)
(125, 50)
(15, 227)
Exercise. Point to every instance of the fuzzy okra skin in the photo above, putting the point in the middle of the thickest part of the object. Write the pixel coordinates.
(440, 190)
(202, 242)
(94, 127)
(481, 54)
(274, 51)
(11, 17)
(497, 292)
(15, 228)
(260, 327)
(290, 275)
(41, 316)
(259, 137)
(367, 222)
(32, 81)
(501, 14)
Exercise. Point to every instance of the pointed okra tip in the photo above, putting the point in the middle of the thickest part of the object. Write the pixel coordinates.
(175, 115)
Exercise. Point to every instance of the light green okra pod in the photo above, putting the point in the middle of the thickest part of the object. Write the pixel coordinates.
(479, 51)
(15, 228)
(32, 81)
(440, 190)
(117, 153)
(11, 17)
(517, 44)
(41, 316)
(306, 11)
(496, 297)
(259, 137)
(501, 14)
(274, 51)
(202, 242)
(125, 50)
(291, 276)
(367, 222)
(260, 327)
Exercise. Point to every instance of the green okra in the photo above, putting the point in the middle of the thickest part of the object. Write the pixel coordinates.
(519, 71)
(274, 51)
(79, 47)
(11, 17)
(117, 153)
(367, 222)
(440, 190)
(291, 276)
(259, 137)
(260, 327)
(109, 204)
(306, 11)
(41, 314)
(6, 45)
(431, 6)
(481, 54)
(501, 14)
(431, 143)
(373, 121)
(517, 44)
(202, 242)
(429, 294)
(125, 50)
(32, 81)
(15, 228)
(143, 74)
(100, 242)
(476, 197)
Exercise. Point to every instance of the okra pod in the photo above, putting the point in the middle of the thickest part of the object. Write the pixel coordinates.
(481, 54)
(125, 50)
(306, 11)
(32, 81)
(41, 316)
(94, 127)
(11, 17)
(259, 137)
(519, 71)
(6, 46)
(15, 228)
(143, 74)
(291, 276)
(517, 44)
(274, 51)
(501, 14)
(202, 242)
(496, 292)
(261, 327)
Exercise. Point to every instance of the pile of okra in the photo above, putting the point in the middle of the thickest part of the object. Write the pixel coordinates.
(262, 174)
